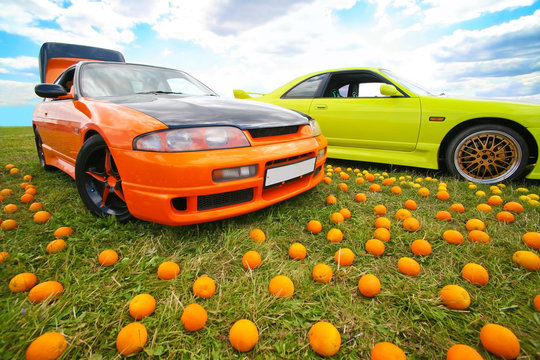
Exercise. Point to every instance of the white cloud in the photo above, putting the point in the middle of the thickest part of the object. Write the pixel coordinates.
(18, 63)
(15, 93)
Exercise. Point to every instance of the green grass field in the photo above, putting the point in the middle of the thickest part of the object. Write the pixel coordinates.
(407, 312)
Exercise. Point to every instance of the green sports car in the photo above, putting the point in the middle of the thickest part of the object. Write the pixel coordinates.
(370, 114)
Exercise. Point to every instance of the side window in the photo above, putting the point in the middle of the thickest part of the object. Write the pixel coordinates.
(354, 85)
(66, 79)
(307, 88)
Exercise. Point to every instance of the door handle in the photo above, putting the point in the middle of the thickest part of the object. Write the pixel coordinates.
(321, 106)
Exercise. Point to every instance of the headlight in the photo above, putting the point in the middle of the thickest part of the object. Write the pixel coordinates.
(192, 139)
(315, 128)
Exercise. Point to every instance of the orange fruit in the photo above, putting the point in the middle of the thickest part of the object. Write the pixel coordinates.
(168, 270)
(22, 282)
(410, 204)
(251, 260)
(359, 180)
(344, 176)
(322, 273)
(411, 224)
(314, 226)
(455, 297)
(10, 208)
(360, 197)
(8, 224)
(370, 177)
(30, 190)
(462, 352)
(382, 222)
(387, 351)
(48, 346)
(331, 200)
(453, 237)
(527, 260)
(62, 232)
(297, 251)
(344, 257)
(457, 207)
(444, 215)
(475, 274)
(35, 206)
(6, 192)
(396, 190)
(324, 338)
(194, 317)
(375, 247)
(108, 257)
(505, 217)
(532, 239)
(28, 177)
(204, 287)
(443, 195)
(423, 192)
(403, 214)
(387, 182)
(48, 290)
(421, 247)
(27, 198)
(343, 187)
(281, 286)
(42, 217)
(334, 235)
(495, 200)
(337, 218)
(14, 171)
(337, 170)
(408, 266)
(379, 209)
(484, 207)
(56, 246)
(375, 187)
(514, 207)
(9, 166)
(327, 180)
(369, 285)
(346, 213)
(382, 234)
(478, 236)
(142, 305)
(475, 224)
(536, 302)
(131, 339)
(3, 256)
(243, 335)
(500, 341)
(257, 235)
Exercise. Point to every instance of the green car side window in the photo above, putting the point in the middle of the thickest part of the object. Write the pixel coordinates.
(307, 88)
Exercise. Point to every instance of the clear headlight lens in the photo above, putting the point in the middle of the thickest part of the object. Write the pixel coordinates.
(315, 128)
(235, 173)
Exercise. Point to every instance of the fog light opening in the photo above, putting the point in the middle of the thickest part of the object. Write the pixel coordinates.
(235, 173)
(321, 153)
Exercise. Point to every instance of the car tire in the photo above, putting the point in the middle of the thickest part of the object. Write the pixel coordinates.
(487, 154)
(41, 155)
(99, 182)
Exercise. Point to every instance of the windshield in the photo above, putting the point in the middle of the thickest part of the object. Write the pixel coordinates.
(407, 84)
(120, 79)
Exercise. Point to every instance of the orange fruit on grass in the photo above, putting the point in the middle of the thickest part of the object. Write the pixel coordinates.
(532, 239)
(48, 290)
(42, 217)
(536, 302)
(168, 270)
(343, 187)
(48, 346)
(475, 274)
(484, 207)
(379, 209)
(495, 200)
(411, 224)
(327, 180)
(257, 235)
(475, 224)
(322, 273)
(403, 214)
(324, 338)
(10, 208)
(35, 206)
(423, 192)
(463, 352)
(505, 217)
(387, 351)
(8, 224)
(337, 169)
(56, 246)
(346, 213)
(527, 260)
(27, 198)
(410, 204)
(408, 266)
(14, 171)
(28, 177)
(359, 180)
(331, 200)
(455, 297)
(478, 236)
(396, 190)
(6, 192)
(360, 197)
(337, 218)
(344, 257)
(281, 286)
(344, 176)
(9, 166)
(314, 226)
(251, 260)
(382, 222)
(204, 287)
(387, 182)
(514, 207)
(243, 335)
(382, 234)
(500, 341)
(443, 195)
(142, 305)
(131, 339)
(22, 282)
(30, 190)
(108, 257)
(334, 235)
(369, 285)
(370, 177)
(457, 207)
(297, 251)
(3, 256)
(62, 232)
(194, 317)
(421, 247)
(375, 187)
(375, 247)
(453, 237)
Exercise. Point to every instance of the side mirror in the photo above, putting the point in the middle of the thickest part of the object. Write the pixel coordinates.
(389, 90)
(50, 90)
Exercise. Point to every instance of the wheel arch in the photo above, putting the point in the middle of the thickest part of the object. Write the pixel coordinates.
(529, 139)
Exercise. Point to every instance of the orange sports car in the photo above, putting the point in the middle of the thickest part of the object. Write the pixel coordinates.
(156, 144)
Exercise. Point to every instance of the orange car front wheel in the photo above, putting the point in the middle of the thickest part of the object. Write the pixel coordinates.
(99, 182)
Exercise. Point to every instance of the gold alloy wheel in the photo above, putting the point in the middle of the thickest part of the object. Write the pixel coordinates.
(487, 156)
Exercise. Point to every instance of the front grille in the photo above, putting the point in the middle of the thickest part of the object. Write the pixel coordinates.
(288, 160)
(207, 202)
(284, 130)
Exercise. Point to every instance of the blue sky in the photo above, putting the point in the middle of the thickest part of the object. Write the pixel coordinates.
(481, 48)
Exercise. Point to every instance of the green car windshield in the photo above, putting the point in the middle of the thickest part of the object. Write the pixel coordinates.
(407, 84)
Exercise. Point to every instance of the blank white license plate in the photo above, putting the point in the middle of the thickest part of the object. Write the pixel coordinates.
(283, 173)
